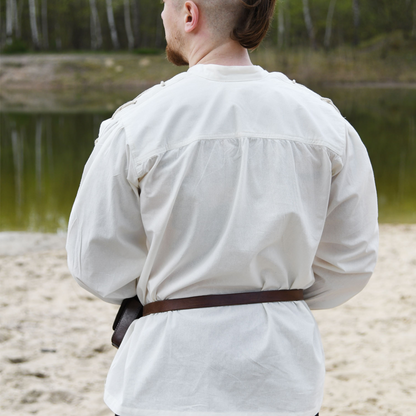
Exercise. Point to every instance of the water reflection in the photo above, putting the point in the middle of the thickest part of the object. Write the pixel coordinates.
(42, 157)
(386, 122)
(42, 153)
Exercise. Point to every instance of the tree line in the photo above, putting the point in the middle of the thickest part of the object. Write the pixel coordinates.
(66, 25)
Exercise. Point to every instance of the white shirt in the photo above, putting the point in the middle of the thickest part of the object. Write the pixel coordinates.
(224, 180)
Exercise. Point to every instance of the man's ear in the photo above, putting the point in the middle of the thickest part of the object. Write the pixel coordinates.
(191, 16)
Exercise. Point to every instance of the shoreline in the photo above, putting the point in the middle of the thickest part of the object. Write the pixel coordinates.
(21, 243)
(345, 68)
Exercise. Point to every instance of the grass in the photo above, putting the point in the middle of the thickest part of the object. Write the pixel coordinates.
(115, 71)
(343, 65)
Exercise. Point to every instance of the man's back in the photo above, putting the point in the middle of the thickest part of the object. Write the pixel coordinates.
(247, 182)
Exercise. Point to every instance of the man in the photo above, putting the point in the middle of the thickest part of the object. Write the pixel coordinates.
(225, 179)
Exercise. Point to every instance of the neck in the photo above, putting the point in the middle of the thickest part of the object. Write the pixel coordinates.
(229, 53)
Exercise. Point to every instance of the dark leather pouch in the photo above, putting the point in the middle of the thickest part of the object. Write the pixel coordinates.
(130, 310)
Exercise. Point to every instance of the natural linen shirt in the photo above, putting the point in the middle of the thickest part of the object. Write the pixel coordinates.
(224, 180)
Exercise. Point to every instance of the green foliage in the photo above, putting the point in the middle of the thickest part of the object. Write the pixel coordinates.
(69, 23)
(17, 46)
(376, 17)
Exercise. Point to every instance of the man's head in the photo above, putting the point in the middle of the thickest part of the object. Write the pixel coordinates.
(244, 22)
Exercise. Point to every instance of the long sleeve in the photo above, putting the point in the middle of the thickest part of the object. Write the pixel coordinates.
(106, 242)
(347, 251)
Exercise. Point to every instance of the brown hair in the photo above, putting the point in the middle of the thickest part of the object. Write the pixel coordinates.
(253, 22)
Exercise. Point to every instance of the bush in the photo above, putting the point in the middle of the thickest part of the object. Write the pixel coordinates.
(17, 46)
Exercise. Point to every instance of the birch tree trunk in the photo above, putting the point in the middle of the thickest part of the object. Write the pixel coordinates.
(414, 20)
(328, 29)
(308, 23)
(9, 21)
(356, 14)
(280, 25)
(136, 22)
(127, 23)
(33, 24)
(16, 19)
(45, 39)
(96, 37)
(112, 24)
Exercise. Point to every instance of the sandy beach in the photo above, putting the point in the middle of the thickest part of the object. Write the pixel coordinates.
(55, 338)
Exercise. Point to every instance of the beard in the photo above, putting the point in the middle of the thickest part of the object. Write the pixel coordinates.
(175, 56)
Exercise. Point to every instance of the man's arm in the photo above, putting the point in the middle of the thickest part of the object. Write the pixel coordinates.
(106, 242)
(347, 252)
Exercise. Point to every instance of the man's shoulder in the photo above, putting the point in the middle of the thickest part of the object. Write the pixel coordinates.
(309, 108)
(298, 90)
(129, 108)
(161, 88)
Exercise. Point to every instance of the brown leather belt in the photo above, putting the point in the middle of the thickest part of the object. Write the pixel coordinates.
(228, 299)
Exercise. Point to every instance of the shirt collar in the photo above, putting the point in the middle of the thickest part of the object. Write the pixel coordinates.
(228, 73)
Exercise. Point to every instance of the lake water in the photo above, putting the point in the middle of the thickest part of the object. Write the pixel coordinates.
(45, 140)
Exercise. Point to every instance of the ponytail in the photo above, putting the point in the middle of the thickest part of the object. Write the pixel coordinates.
(253, 23)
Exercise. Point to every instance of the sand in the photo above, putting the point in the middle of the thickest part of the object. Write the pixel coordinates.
(55, 338)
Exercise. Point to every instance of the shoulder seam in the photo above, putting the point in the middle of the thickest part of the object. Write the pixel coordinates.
(160, 150)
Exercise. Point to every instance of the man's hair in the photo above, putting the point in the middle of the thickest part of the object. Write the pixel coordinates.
(245, 21)
(253, 23)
